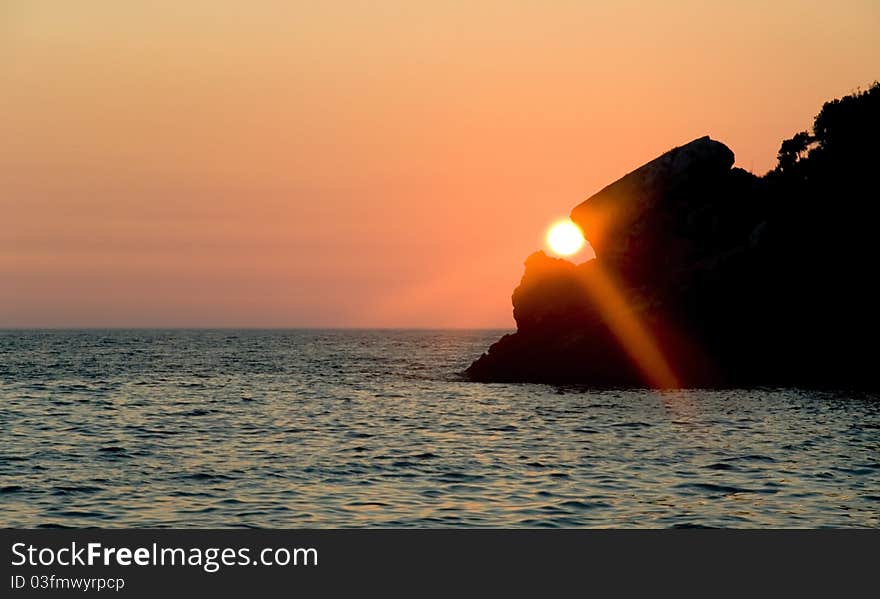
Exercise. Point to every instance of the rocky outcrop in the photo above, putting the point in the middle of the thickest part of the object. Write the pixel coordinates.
(636, 222)
(706, 275)
(612, 320)
(561, 335)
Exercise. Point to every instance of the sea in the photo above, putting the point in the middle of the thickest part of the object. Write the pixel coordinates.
(378, 428)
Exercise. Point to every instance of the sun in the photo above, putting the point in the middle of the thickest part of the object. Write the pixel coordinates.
(565, 238)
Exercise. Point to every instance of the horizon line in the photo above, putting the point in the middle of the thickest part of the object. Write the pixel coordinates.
(247, 328)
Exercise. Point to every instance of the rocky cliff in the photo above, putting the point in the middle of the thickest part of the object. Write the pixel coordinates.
(707, 275)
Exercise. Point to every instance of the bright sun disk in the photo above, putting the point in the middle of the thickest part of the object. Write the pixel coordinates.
(565, 238)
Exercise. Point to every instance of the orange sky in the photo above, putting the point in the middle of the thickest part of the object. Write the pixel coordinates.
(211, 163)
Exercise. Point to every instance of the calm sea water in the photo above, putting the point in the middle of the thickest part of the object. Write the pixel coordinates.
(375, 428)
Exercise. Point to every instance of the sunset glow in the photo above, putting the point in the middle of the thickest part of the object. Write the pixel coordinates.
(217, 164)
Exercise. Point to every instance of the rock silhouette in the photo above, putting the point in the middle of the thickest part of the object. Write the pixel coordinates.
(707, 275)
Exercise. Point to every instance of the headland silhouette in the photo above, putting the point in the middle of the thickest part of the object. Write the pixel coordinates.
(707, 275)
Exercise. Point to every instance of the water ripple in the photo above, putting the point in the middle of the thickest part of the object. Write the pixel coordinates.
(376, 428)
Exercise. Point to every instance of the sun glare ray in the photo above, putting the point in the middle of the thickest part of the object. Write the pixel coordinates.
(633, 336)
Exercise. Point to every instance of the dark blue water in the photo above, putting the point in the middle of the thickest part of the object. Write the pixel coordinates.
(375, 428)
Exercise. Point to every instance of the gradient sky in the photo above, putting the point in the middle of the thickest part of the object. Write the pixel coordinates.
(213, 163)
